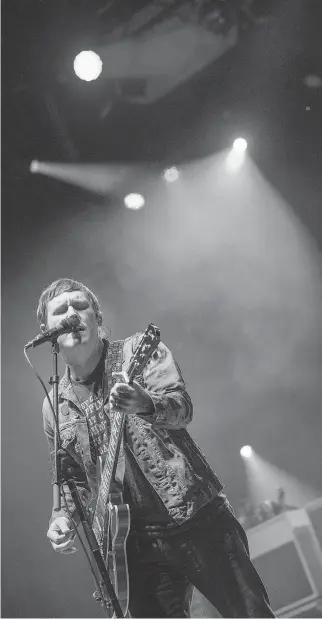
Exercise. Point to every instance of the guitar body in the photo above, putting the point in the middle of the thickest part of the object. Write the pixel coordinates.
(116, 558)
(115, 527)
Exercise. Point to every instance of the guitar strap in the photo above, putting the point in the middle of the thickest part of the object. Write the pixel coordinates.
(114, 363)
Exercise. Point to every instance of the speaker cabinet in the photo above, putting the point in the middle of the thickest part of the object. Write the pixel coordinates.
(287, 555)
(314, 511)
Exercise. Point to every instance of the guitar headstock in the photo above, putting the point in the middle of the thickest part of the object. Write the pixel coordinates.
(144, 351)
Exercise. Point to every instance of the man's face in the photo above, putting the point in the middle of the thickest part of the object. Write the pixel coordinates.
(66, 305)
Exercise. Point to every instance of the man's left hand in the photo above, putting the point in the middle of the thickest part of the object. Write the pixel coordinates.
(125, 398)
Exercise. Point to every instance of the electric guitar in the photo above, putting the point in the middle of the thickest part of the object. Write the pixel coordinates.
(111, 520)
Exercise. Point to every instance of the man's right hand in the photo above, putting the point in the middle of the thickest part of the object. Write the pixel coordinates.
(61, 535)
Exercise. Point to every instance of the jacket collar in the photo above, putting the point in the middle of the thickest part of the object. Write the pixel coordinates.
(65, 388)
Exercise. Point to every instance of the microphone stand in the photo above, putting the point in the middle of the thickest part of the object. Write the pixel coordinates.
(54, 381)
(63, 474)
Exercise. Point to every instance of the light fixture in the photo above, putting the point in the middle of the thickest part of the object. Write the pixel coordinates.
(34, 166)
(246, 451)
(171, 174)
(240, 145)
(88, 65)
(134, 201)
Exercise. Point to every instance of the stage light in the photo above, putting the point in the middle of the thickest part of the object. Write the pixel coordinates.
(236, 155)
(34, 166)
(240, 145)
(246, 451)
(171, 174)
(134, 201)
(88, 65)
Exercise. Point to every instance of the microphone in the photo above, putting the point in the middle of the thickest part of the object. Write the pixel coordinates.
(67, 325)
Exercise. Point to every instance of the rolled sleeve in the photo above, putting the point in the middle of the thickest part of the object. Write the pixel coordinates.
(67, 504)
(164, 382)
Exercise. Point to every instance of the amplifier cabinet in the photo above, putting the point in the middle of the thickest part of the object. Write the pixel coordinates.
(286, 553)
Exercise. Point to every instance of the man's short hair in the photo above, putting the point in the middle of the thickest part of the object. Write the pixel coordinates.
(65, 285)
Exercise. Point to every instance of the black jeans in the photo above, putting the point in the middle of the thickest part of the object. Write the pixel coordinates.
(211, 553)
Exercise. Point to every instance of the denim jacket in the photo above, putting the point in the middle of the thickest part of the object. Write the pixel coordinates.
(163, 449)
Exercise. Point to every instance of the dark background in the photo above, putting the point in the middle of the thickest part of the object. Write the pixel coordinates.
(228, 267)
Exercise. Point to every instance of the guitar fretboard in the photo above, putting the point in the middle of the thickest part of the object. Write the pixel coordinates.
(107, 476)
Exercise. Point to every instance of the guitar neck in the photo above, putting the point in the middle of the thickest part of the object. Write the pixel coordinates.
(108, 474)
(117, 426)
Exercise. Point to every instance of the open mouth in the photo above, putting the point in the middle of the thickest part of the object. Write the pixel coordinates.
(78, 330)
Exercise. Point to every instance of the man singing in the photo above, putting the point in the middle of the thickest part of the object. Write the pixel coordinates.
(183, 530)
